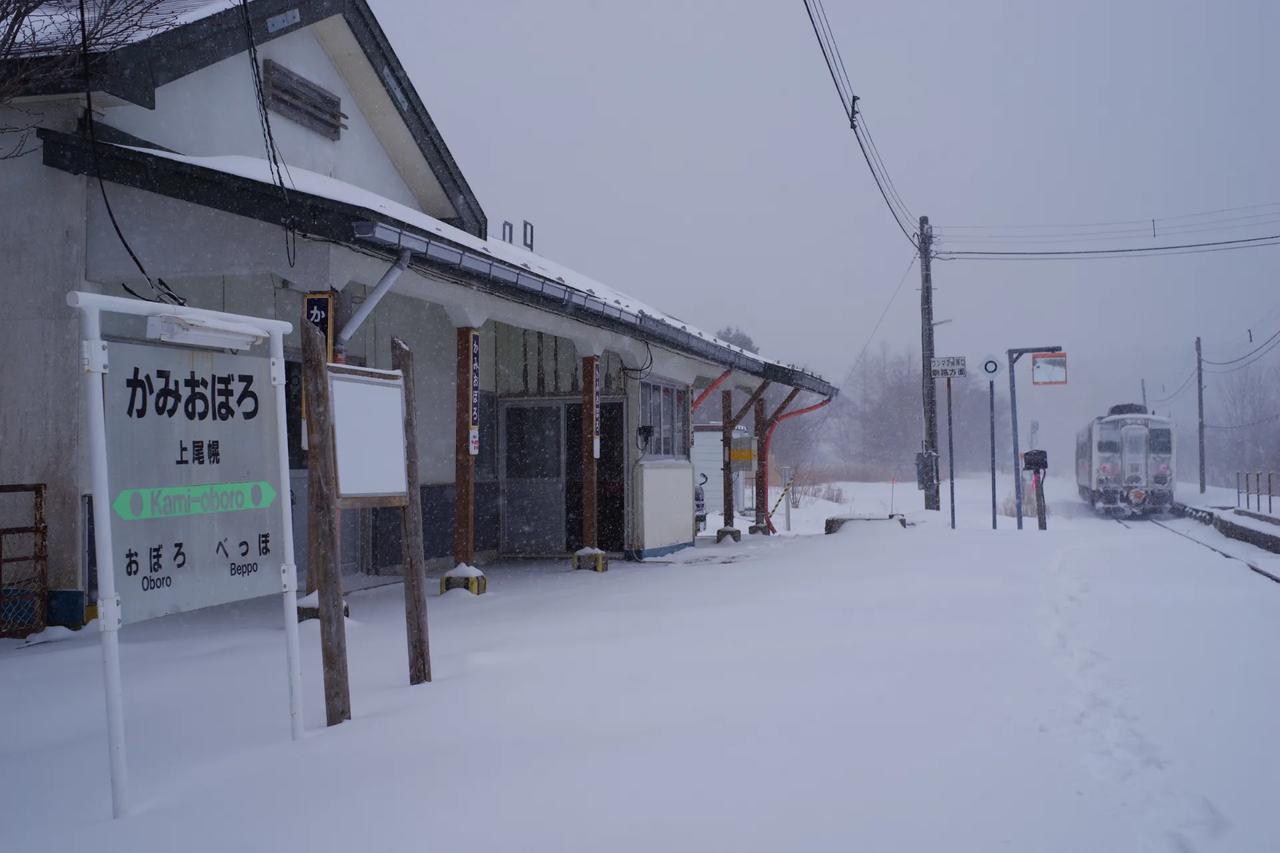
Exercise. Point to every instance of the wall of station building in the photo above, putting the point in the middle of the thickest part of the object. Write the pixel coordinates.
(41, 386)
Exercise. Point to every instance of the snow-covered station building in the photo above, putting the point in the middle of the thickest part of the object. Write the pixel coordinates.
(250, 154)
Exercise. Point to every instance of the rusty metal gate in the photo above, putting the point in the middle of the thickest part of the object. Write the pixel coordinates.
(24, 563)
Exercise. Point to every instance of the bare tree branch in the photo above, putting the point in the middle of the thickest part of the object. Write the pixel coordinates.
(42, 48)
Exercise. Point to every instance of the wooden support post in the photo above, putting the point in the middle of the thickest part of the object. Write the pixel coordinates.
(762, 469)
(590, 446)
(412, 554)
(589, 557)
(464, 525)
(726, 439)
(728, 531)
(322, 554)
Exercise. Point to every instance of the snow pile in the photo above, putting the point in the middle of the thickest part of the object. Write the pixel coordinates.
(462, 570)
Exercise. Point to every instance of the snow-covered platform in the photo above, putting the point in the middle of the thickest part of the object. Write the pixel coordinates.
(1092, 687)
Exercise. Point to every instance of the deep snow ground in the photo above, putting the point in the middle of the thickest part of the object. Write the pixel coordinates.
(1088, 688)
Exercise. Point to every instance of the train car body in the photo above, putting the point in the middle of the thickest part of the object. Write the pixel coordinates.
(1125, 462)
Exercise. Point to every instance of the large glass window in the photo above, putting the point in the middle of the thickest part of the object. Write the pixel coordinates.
(1161, 441)
(666, 409)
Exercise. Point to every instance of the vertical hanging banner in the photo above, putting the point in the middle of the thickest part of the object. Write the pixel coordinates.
(595, 414)
(473, 442)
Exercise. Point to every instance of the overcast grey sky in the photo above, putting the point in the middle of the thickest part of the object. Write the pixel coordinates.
(693, 154)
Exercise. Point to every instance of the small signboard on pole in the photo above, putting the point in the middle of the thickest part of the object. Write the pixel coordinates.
(1048, 368)
(742, 455)
(947, 367)
(368, 436)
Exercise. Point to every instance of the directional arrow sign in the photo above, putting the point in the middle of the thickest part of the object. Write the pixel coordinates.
(174, 501)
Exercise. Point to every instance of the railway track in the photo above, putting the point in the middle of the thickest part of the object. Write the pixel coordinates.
(1252, 567)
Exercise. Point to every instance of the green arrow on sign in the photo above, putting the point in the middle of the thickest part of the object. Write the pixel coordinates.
(174, 501)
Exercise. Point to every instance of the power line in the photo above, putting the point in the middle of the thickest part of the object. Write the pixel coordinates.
(1185, 383)
(846, 101)
(876, 328)
(848, 104)
(1144, 223)
(875, 151)
(1136, 251)
(880, 186)
(1220, 226)
(162, 290)
(275, 161)
(1261, 355)
(1246, 355)
(853, 368)
(835, 48)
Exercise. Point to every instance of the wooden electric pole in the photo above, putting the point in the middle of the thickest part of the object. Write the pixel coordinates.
(932, 499)
(1200, 407)
(1144, 396)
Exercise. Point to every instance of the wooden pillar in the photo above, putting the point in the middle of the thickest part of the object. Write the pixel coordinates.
(726, 439)
(590, 447)
(412, 552)
(322, 552)
(466, 446)
(762, 466)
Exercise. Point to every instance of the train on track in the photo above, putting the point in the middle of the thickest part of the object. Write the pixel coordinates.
(1125, 462)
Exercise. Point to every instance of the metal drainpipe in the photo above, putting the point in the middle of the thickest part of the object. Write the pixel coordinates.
(383, 286)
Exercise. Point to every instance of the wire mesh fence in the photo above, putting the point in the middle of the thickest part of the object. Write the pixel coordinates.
(24, 561)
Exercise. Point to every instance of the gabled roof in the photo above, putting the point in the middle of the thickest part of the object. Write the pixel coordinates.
(324, 207)
(184, 36)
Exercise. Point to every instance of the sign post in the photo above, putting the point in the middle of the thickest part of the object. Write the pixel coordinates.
(1051, 372)
(949, 368)
(991, 369)
(412, 552)
(189, 463)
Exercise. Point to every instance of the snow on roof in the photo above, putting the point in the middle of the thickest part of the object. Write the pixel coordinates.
(313, 183)
(57, 24)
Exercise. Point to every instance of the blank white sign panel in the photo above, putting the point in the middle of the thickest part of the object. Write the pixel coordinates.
(368, 435)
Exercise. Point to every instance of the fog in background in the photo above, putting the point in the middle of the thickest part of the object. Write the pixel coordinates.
(694, 154)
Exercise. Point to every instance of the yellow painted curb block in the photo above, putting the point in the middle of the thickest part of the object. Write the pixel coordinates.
(475, 586)
(590, 562)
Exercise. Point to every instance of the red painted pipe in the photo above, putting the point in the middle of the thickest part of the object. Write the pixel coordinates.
(706, 392)
(768, 439)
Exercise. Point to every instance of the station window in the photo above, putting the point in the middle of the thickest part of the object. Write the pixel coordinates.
(666, 409)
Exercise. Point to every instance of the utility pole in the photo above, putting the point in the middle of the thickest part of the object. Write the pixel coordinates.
(932, 499)
(1144, 396)
(1200, 407)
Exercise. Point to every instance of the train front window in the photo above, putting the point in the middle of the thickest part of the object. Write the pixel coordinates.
(1135, 443)
(1161, 441)
(1109, 441)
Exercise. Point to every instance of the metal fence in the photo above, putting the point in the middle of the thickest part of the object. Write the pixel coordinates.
(24, 563)
(1253, 498)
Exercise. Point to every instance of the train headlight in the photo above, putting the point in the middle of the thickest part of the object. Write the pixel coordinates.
(1104, 470)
